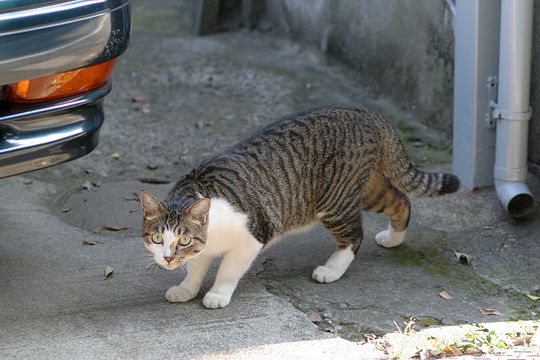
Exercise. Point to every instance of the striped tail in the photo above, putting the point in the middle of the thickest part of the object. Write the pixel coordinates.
(404, 176)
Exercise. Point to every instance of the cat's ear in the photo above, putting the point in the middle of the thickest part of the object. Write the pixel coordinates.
(198, 211)
(151, 205)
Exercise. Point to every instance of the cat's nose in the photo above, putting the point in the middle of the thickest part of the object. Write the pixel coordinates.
(168, 258)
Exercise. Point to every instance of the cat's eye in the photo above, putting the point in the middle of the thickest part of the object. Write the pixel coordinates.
(157, 238)
(184, 240)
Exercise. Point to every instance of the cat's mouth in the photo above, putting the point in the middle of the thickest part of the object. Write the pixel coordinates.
(175, 264)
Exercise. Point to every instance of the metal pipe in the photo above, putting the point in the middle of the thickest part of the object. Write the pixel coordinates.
(512, 110)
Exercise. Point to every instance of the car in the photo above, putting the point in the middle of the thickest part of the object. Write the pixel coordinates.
(56, 60)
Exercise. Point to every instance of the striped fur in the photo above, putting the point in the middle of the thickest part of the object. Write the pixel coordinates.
(325, 164)
(329, 161)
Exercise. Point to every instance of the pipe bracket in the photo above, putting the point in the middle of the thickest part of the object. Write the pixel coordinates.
(499, 114)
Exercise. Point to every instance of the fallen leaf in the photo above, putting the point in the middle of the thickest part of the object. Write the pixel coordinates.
(533, 297)
(452, 351)
(112, 228)
(115, 156)
(522, 340)
(424, 354)
(315, 317)
(108, 271)
(152, 166)
(471, 351)
(462, 257)
(445, 295)
(145, 109)
(490, 311)
(133, 211)
(87, 171)
(88, 185)
(28, 181)
(134, 197)
(199, 124)
(89, 242)
(154, 181)
(137, 98)
(65, 210)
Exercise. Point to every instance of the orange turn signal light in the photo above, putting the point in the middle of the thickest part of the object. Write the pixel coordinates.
(60, 85)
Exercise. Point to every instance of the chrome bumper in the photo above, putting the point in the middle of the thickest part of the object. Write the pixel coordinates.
(35, 138)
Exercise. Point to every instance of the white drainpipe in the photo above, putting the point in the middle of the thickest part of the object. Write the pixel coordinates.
(512, 109)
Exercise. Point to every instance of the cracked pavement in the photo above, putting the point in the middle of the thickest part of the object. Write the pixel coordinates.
(194, 97)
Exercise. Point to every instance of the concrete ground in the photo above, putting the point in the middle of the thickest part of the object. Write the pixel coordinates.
(176, 99)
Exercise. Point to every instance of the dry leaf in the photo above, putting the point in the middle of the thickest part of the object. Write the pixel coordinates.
(28, 181)
(445, 295)
(154, 181)
(152, 166)
(89, 242)
(145, 109)
(137, 98)
(471, 351)
(522, 340)
(533, 297)
(199, 124)
(108, 271)
(112, 228)
(424, 354)
(133, 211)
(65, 210)
(88, 185)
(452, 351)
(315, 317)
(462, 257)
(490, 311)
(115, 156)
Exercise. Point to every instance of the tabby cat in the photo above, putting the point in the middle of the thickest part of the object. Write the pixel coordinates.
(322, 165)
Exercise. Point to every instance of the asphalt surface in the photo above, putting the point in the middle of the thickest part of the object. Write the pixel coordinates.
(178, 98)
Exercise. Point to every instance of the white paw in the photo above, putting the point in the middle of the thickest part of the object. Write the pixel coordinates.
(324, 274)
(388, 238)
(214, 300)
(179, 294)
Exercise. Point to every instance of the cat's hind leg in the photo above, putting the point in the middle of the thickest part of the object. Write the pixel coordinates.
(397, 207)
(345, 224)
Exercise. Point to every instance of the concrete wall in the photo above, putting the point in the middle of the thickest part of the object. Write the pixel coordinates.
(400, 48)
(534, 129)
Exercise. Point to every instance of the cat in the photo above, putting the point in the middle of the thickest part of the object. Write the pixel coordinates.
(323, 165)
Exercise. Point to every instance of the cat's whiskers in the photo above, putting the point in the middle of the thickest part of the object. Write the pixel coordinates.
(147, 265)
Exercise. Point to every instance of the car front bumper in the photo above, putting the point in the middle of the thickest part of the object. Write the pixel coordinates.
(49, 37)
(32, 138)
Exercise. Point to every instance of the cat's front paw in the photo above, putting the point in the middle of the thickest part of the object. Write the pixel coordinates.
(323, 274)
(214, 300)
(179, 294)
(389, 238)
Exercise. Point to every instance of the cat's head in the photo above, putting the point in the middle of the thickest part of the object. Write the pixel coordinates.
(173, 234)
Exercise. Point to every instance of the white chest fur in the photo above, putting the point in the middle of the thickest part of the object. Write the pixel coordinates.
(227, 229)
